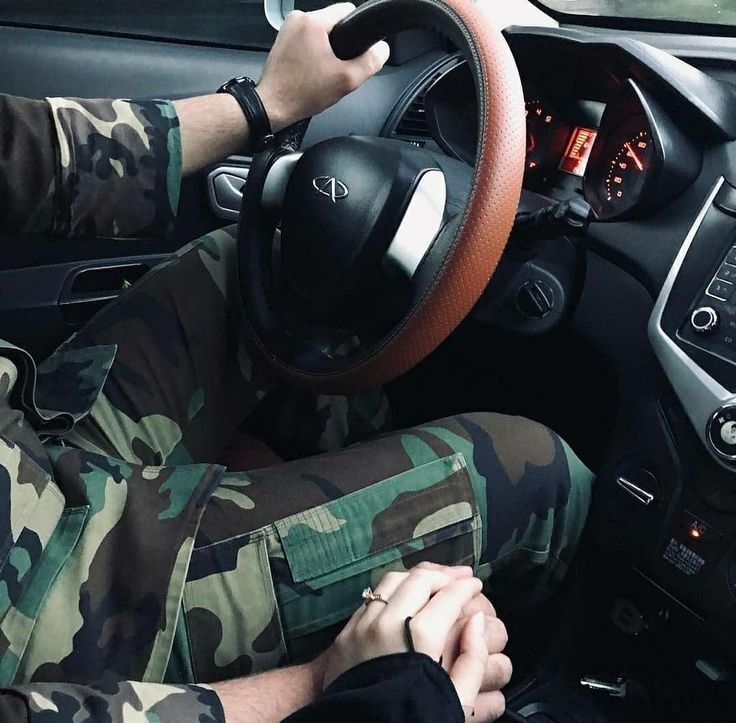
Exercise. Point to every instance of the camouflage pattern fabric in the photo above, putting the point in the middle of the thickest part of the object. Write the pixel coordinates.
(171, 569)
(502, 494)
(89, 168)
(120, 702)
(126, 554)
(283, 553)
(183, 380)
(120, 167)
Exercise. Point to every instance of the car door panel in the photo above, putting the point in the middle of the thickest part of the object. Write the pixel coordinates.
(37, 62)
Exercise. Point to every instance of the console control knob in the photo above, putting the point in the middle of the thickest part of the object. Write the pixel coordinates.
(722, 432)
(535, 299)
(704, 320)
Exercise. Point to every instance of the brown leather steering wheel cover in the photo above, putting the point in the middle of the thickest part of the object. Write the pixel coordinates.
(487, 219)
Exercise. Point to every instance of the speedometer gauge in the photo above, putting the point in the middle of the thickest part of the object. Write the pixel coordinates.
(620, 167)
(640, 160)
(632, 160)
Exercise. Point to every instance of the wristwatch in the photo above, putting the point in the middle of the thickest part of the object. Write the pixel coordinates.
(244, 91)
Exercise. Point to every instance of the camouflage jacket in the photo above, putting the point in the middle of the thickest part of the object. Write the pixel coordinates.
(110, 169)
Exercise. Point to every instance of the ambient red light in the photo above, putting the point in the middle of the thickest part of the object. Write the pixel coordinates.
(578, 150)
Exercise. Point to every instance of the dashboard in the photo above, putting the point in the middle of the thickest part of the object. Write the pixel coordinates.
(625, 156)
(649, 141)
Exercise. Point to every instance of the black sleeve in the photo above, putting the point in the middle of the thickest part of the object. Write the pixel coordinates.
(401, 688)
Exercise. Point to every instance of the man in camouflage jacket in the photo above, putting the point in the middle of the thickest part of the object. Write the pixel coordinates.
(134, 570)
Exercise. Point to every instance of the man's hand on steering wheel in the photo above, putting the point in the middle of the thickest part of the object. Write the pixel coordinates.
(302, 76)
(373, 269)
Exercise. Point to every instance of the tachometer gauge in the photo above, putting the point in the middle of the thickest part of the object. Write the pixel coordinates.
(640, 159)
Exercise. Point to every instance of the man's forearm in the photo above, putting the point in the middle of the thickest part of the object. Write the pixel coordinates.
(214, 127)
(270, 697)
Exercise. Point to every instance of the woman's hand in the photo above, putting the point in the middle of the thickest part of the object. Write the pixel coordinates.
(438, 600)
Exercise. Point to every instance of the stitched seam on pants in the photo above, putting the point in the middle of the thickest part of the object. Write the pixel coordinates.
(316, 550)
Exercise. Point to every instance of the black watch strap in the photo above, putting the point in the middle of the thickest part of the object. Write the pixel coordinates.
(244, 91)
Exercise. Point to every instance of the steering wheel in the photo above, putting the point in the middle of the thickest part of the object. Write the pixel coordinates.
(352, 267)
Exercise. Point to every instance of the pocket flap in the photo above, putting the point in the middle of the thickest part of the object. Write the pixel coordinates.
(399, 510)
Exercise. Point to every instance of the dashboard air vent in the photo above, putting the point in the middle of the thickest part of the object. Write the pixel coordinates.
(408, 121)
(413, 122)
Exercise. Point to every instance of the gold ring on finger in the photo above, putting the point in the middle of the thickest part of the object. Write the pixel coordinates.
(369, 596)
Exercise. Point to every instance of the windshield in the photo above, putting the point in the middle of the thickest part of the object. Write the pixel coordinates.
(720, 12)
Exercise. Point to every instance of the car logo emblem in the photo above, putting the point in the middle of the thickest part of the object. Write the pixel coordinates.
(331, 187)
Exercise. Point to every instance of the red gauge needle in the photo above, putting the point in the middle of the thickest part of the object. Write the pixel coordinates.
(633, 155)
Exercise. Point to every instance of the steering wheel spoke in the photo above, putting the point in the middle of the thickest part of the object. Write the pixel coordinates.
(277, 179)
(422, 221)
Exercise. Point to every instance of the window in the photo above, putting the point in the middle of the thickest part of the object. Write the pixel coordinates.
(237, 23)
(713, 12)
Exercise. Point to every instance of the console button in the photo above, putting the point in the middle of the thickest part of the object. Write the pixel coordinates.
(722, 433)
(704, 320)
(720, 290)
(727, 272)
(698, 530)
(727, 339)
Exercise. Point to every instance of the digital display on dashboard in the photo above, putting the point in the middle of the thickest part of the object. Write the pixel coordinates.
(578, 150)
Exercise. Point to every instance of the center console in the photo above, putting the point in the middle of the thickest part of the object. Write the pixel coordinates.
(669, 495)
(693, 327)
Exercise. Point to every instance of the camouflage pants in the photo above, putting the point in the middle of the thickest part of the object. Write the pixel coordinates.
(283, 553)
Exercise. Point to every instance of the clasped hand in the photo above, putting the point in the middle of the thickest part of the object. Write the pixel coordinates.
(451, 621)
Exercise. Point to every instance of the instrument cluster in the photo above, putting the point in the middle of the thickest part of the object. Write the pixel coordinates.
(622, 152)
(629, 159)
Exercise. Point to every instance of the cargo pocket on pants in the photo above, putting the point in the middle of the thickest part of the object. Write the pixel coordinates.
(232, 619)
(335, 550)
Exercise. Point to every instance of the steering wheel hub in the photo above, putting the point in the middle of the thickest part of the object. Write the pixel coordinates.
(343, 205)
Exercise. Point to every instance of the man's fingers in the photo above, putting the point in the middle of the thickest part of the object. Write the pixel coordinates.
(456, 572)
(496, 634)
(479, 604)
(489, 706)
(498, 672)
(470, 667)
(439, 615)
(332, 14)
(374, 58)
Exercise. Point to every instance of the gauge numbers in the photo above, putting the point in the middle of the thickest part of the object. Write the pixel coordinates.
(628, 170)
(540, 126)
